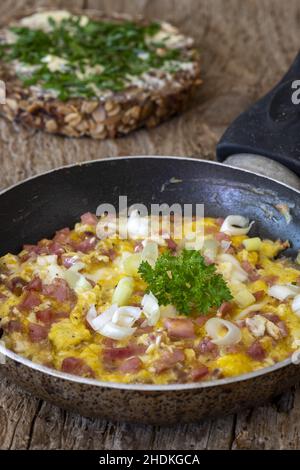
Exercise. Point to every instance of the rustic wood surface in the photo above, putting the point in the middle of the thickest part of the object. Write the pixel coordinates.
(246, 46)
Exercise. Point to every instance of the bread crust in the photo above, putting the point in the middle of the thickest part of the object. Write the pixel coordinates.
(106, 117)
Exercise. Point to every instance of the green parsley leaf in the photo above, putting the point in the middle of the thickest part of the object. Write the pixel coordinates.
(186, 282)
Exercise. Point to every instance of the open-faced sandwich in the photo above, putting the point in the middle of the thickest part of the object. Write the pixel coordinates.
(89, 74)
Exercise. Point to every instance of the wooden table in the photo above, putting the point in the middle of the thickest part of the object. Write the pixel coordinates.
(246, 46)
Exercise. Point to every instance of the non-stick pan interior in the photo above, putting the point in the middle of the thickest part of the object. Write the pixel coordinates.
(38, 207)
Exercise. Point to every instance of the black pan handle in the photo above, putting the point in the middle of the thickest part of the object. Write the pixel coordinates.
(271, 127)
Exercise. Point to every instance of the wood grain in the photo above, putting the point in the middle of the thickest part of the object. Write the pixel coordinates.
(246, 46)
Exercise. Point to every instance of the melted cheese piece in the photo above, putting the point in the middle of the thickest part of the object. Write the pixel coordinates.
(41, 20)
(54, 63)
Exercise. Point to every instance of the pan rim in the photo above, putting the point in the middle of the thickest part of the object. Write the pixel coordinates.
(141, 387)
(148, 157)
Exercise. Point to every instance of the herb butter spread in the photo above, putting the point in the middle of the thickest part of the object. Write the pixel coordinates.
(75, 56)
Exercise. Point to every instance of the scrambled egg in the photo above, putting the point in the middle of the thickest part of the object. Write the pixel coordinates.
(234, 364)
(47, 291)
(66, 335)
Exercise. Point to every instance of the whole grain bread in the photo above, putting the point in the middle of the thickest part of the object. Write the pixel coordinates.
(106, 117)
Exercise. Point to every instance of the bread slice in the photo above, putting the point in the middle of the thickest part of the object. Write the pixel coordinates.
(146, 100)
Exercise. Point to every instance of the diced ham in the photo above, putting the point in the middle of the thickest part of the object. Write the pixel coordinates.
(145, 329)
(225, 308)
(219, 221)
(199, 372)
(16, 285)
(253, 275)
(208, 260)
(35, 285)
(43, 247)
(182, 376)
(109, 342)
(152, 337)
(13, 325)
(49, 316)
(259, 295)
(179, 328)
(31, 300)
(283, 329)
(241, 323)
(114, 354)
(220, 236)
(76, 366)
(37, 333)
(68, 261)
(239, 247)
(138, 247)
(208, 347)
(110, 253)
(171, 244)
(31, 249)
(233, 349)
(131, 365)
(270, 280)
(55, 248)
(247, 266)
(45, 316)
(59, 290)
(61, 315)
(211, 229)
(89, 219)
(142, 328)
(168, 360)
(256, 351)
(62, 236)
(200, 321)
(26, 256)
(86, 245)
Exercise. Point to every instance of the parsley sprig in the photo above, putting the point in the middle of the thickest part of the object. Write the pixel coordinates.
(186, 282)
(117, 47)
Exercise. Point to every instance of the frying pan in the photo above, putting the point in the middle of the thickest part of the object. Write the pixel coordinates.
(37, 207)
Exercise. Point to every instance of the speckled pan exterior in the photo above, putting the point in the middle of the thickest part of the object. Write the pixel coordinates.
(149, 404)
(82, 187)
